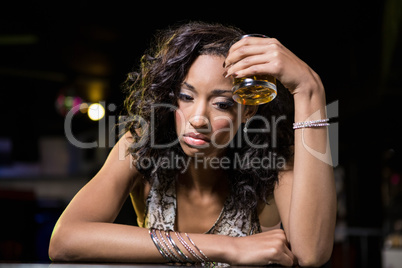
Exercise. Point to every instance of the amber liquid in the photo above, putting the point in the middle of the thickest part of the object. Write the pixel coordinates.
(254, 90)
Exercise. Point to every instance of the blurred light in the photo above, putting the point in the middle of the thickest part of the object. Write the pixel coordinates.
(96, 90)
(66, 101)
(96, 111)
(84, 107)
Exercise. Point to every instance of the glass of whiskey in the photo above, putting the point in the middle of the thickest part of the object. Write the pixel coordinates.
(254, 90)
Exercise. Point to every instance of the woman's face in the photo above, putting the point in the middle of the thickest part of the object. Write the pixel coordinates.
(207, 117)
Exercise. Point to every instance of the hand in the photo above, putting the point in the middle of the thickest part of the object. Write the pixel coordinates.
(262, 249)
(256, 56)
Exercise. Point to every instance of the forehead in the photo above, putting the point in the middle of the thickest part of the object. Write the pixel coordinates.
(207, 72)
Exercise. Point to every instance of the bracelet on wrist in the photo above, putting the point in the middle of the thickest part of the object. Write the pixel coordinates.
(173, 253)
(310, 124)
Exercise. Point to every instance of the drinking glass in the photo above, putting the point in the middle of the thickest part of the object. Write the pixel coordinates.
(256, 89)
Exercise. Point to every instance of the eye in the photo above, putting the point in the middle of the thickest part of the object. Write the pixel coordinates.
(185, 97)
(224, 105)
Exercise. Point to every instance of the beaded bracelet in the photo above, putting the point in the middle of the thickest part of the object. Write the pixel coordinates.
(313, 123)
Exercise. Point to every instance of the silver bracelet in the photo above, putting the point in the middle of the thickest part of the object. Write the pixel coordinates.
(158, 246)
(199, 250)
(313, 123)
(173, 255)
(181, 253)
(189, 249)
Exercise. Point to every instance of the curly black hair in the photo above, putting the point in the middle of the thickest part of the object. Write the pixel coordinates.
(163, 69)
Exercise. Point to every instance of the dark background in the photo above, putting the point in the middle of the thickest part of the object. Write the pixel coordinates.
(47, 47)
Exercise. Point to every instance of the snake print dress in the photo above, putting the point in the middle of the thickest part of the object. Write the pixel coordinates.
(161, 212)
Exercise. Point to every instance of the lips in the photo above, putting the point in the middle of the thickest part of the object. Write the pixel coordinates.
(195, 139)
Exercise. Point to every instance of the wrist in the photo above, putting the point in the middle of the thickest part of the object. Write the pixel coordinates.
(234, 251)
(229, 252)
(310, 104)
(218, 248)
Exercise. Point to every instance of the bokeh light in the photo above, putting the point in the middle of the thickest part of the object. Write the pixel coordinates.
(96, 111)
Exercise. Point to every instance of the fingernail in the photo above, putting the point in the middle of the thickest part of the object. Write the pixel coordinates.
(224, 64)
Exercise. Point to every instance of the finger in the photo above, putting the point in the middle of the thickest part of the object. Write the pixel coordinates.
(249, 40)
(287, 260)
(250, 61)
(281, 253)
(244, 42)
(272, 56)
(285, 257)
(282, 258)
(290, 258)
(243, 52)
(259, 69)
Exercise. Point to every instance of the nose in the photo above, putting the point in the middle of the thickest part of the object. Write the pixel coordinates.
(199, 119)
(199, 122)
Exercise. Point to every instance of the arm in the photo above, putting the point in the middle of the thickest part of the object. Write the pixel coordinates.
(86, 232)
(305, 197)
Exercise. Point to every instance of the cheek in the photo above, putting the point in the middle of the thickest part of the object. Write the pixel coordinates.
(224, 130)
(179, 121)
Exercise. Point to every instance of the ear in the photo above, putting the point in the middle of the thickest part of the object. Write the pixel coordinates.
(249, 112)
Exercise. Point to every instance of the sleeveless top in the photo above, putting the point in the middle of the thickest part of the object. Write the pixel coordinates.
(160, 212)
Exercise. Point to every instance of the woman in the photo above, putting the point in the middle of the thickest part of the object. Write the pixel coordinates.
(203, 189)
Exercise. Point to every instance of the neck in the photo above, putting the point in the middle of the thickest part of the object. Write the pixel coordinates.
(204, 177)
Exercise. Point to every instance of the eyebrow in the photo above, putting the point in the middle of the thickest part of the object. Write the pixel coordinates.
(214, 92)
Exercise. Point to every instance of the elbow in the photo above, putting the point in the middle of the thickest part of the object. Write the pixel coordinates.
(62, 253)
(313, 262)
(56, 251)
(60, 249)
(316, 258)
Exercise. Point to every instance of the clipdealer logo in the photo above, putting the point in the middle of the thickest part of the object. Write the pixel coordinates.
(107, 137)
(331, 153)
